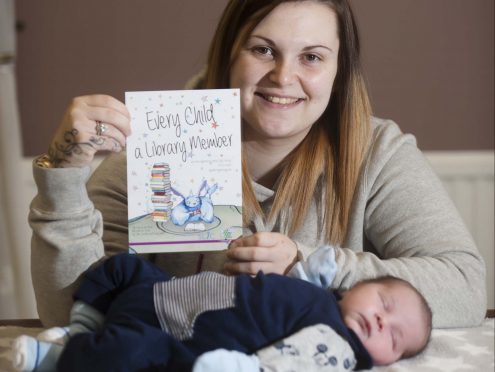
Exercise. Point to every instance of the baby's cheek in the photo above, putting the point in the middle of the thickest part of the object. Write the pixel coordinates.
(379, 351)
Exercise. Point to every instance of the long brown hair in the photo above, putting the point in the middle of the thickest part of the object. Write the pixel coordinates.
(327, 162)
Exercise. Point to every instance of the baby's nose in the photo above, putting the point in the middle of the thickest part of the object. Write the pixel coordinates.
(380, 322)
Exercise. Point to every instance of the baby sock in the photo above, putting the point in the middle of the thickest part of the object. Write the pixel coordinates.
(83, 318)
(30, 354)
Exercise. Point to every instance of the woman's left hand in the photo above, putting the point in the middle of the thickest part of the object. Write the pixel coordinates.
(264, 251)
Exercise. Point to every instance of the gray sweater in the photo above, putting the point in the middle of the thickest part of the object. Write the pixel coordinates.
(402, 223)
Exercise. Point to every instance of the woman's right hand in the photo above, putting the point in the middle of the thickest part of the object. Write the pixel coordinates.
(77, 141)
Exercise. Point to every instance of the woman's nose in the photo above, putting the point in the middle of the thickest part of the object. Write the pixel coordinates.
(283, 72)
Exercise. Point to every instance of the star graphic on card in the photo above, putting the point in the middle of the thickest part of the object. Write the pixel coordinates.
(214, 125)
(218, 100)
(235, 94)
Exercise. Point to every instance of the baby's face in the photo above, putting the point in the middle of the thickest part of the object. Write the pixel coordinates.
(387, 318)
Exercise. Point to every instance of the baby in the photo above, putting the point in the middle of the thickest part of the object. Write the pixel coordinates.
(129, 315)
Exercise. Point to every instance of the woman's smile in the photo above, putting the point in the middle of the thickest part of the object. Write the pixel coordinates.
(279, 101)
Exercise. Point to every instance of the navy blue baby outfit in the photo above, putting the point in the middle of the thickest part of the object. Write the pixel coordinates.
(156, 323)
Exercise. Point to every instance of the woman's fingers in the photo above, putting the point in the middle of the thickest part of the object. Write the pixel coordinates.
(91, 124)
(260, 239)
(109, 116)
(108, 124)
(255, 253)
(106, 137)
(110, 134)
(267, 251)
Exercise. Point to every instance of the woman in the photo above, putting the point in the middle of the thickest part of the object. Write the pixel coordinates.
(318, 169)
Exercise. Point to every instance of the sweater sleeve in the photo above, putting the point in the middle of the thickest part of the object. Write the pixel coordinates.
(66, 239)
(413, 231)
(68, 230)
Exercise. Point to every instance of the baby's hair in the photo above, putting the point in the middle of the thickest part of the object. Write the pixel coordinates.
(426, 310)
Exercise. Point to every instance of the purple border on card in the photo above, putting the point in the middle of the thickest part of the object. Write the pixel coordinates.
(181, 242)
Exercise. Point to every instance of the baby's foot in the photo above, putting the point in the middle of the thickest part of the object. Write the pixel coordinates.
(24, 353)
(30, 354)
(55, 335)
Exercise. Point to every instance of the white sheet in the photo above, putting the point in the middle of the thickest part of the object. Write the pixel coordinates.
(450, 350)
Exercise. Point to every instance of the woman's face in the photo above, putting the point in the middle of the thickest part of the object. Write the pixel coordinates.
(286, 70)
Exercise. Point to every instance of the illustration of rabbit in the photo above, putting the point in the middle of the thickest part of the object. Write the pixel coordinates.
(194, 208)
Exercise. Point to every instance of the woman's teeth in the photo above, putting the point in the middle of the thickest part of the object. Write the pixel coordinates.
(281, 100)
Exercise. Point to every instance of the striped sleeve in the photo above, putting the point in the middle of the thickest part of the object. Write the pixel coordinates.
(179, 302)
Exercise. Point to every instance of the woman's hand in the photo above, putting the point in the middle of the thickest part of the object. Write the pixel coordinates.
(266, 251)
(90, 124)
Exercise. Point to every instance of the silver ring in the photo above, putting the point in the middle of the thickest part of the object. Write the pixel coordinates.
(100, 128)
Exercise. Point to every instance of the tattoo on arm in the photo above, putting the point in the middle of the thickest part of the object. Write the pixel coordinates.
(59, 152)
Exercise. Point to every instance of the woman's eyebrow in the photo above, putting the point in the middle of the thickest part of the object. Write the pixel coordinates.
(305, 49)
(317, 46)
(265, 39)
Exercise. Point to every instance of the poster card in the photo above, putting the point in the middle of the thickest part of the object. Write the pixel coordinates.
(184, 170)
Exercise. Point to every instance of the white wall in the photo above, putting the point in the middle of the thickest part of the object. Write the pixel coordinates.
(468, 177)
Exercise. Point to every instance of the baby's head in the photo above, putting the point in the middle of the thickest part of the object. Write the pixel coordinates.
(390, 317)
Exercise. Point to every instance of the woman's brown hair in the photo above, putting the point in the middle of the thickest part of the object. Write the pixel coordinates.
(327, 162)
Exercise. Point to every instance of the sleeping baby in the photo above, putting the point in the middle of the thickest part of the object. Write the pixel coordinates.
(128, 315)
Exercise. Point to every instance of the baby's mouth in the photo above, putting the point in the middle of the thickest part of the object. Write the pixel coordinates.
(365, 326)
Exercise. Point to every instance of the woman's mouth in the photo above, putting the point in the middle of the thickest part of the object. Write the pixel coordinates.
(283, 101)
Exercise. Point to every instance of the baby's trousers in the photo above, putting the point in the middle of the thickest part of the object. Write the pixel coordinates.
(131, 338)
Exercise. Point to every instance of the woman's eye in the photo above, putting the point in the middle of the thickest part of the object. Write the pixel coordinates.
(312, 58)
(263, 50)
